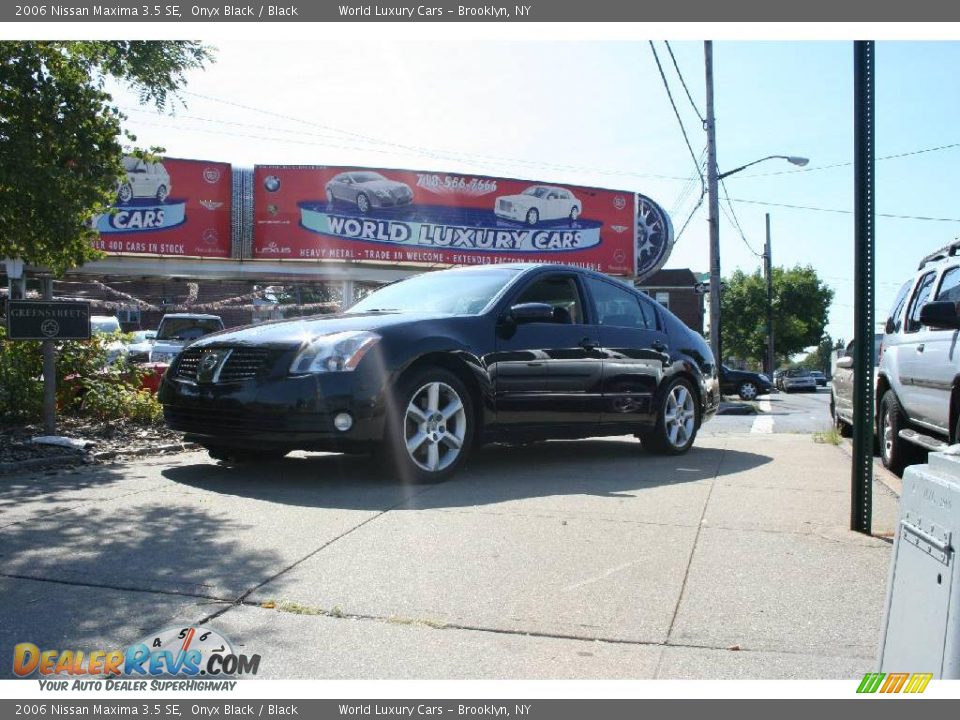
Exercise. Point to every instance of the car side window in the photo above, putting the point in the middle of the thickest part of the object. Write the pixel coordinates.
(561, 292)
(895, 319)
(920, 297)
(950, 285)
(616, 307)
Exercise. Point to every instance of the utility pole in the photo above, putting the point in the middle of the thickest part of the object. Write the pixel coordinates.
(49, 350)
(713, 208)
(768, 272)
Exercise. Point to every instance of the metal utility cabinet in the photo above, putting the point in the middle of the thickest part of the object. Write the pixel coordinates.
(921, 628)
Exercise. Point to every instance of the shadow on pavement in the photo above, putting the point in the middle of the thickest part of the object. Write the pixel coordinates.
(604, 468)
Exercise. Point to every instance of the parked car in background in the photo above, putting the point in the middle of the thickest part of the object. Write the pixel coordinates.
(819, 377)
(367, 189)
(918, 387)
(778, 379)
(422, 370)
(748, 385)
(841, 389)
(539, 202)
(108, 327)
(140, 345)
(798, 379)
(177, 330)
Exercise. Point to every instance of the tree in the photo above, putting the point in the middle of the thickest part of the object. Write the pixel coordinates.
(61, 141)
(801, 303)
(820, 359)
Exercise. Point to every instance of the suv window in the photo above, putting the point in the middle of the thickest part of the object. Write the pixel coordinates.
(616, 307)
(187, 328)
(950, 285)
(920, 297)
(895, 320)
(561, 292)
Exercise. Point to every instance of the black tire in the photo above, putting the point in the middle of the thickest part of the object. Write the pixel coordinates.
(894, 451)
(843, 428)
(748, 390)
(162, 193)
(658, 439)
(243, 456)
(124, 194)
(533, 216)
(363, 203)
(574, 213)
(401, 430)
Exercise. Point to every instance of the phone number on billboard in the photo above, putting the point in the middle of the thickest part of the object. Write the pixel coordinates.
(433, 182)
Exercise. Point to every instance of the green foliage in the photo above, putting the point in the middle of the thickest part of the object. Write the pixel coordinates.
(801, 304)
(60, 137)
(819, 359)
(86, 385)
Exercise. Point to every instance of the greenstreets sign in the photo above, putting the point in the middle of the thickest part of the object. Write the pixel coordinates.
(48, 320)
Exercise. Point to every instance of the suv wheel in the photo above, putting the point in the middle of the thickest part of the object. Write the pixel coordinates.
(430, 430)
(676, 427)
(843, 428)
(893, 449)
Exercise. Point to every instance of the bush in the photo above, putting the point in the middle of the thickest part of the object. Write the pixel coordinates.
(86, 384)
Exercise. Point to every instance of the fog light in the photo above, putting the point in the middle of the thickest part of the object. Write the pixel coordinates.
(343, 421)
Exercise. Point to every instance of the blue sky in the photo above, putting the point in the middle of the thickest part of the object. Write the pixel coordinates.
(596, 113)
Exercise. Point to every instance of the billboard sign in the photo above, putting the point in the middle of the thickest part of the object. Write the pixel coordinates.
(407, 216)
(170, 207)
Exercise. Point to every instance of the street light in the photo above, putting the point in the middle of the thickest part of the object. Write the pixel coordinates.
(793, 159)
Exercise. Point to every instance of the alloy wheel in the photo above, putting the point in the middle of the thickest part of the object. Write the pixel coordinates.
(886, 435)
(679, 416)
(435, 427)
(363, 203)
(748, 391)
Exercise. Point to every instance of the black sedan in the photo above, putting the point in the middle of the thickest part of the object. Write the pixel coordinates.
(422, 370)
(748, 385)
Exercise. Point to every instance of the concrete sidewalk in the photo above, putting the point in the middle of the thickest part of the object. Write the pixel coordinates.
(587, 559)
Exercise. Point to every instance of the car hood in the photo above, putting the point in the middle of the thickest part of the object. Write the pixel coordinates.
(382, 185)
(289, 333)
(744, 375)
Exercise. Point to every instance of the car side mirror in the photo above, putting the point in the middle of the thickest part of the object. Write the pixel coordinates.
(531, 313)
(940, 315)
(845, 362)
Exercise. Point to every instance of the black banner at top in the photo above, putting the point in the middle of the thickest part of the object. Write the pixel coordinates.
(470, 11)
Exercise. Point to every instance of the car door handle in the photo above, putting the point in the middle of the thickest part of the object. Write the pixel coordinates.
(589, 344)
(658, 345)
(920, 347)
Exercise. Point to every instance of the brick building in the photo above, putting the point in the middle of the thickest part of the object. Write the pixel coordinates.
(675, 289)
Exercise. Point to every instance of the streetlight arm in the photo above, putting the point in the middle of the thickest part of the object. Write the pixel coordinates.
(789, 158)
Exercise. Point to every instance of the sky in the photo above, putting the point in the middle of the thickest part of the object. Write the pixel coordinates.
(596, 113)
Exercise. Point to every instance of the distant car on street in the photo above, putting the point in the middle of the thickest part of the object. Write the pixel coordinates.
(367, 189)
(798, 379)
(748, 385)
(819, 377)
(537, 203)
(841, 390)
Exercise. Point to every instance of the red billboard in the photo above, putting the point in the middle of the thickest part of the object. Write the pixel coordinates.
(170, 207)
(408, 216)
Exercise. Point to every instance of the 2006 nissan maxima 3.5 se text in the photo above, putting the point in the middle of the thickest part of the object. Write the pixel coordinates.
(422, 370)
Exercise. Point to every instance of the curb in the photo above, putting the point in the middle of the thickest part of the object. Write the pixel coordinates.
(57, 461)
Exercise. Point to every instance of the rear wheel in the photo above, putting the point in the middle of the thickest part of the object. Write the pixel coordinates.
(843, 428)
(676, 426)
(894, 450)
(430, 429)
(748, 391)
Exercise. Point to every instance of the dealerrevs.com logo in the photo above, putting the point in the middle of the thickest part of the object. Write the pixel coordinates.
(193, 653)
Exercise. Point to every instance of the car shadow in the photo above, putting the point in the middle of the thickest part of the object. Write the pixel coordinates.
(495, 474)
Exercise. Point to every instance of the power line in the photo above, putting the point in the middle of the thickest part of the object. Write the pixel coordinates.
(683, 130)
(683, 82)
(734, 219)
(846, 212)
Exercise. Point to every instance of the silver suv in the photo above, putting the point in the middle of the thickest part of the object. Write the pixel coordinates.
(918, 382)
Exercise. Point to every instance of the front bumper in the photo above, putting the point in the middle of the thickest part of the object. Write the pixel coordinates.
(294, 412)
(390, 201)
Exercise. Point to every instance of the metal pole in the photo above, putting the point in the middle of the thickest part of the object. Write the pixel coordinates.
(713, 208)
(768, 271)
(49, 373)
(861, 479)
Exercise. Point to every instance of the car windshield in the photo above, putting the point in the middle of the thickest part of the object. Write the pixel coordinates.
(104, 326)
(451, 292)
(187, 328)
(800, 372)
(367, 177)
(537, 191)
(144, 335)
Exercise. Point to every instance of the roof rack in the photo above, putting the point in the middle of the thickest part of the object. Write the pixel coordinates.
(943, 253)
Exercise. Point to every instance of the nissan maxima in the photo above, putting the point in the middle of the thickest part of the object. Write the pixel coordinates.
(423, 370)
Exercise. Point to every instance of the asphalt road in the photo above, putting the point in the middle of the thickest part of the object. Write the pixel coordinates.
(568, 559)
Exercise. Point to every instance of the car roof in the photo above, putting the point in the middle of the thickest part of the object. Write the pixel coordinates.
(198, 316)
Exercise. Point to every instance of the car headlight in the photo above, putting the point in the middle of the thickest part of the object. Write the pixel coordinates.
(339, 352)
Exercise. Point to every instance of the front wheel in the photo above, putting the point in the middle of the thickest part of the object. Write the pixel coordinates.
(162, 193)
(363, 203)
(125, 194)
(748, 391)
(676, 426)
(574, 213)
(533, 216)
(893, 448)
(430, 431)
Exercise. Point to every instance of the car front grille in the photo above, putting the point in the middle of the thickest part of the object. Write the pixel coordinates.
(242, 363)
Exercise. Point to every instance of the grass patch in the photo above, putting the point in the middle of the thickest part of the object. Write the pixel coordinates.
(828, 437)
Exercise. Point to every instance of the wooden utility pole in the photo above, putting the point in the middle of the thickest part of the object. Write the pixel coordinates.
(713, 208)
